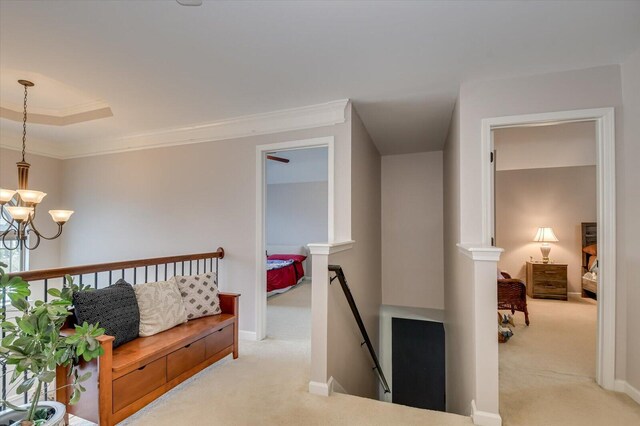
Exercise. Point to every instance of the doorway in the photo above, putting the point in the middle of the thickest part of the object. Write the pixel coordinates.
(295, 216)
(296, 170)
(606, 222)
(545, 201)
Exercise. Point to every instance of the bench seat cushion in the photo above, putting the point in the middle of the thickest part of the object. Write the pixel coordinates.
(141, 351)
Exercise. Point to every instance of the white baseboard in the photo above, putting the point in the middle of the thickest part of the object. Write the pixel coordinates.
(625, 387)
(247, 335)
(484, 418)
(321, 388)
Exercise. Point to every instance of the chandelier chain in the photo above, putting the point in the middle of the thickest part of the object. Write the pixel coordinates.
(24, 124)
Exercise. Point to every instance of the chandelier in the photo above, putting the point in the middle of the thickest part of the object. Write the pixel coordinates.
(18, 208)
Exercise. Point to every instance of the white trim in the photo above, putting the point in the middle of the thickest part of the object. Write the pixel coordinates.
(307, 117)
(320, 388)
(482, 418)
(624, 387)
(480, 252)
(606, 190)
(330, 248)
(247, 335)
(261, 274)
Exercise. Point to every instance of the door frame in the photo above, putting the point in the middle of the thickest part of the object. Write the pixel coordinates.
(261, 188)
(604, 120)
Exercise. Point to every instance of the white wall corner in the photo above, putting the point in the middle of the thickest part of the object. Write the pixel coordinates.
(624, 387)
(483, 418)
(480, 252)
(247, 335)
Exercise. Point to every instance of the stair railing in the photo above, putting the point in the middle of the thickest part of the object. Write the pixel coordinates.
(339, 274)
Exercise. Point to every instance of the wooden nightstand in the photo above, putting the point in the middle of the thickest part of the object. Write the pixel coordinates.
(547, 280)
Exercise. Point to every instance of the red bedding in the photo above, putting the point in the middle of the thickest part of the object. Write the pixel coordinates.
(280, 279)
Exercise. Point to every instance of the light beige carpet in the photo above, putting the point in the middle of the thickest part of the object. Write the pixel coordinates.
(267, 385)
(547, 370)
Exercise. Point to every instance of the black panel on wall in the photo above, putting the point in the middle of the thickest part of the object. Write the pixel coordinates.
(418, 363)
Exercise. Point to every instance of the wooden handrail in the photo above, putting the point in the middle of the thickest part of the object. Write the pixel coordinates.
(44, 274)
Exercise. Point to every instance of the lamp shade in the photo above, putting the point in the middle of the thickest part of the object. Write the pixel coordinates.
(6, 195)
(29, 196)
(60, 216)
(19, 213)
(545, 235)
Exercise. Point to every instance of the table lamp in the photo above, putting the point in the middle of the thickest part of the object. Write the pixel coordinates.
(545, 236)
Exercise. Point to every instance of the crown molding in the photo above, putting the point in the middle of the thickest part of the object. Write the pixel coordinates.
(307, 117)
(13, 141)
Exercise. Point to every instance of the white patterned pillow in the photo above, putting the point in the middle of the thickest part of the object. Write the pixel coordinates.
(161, 306)
(200, 294)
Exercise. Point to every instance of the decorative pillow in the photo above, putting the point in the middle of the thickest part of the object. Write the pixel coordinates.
(114, 308)
(200, 294)
(161, 306)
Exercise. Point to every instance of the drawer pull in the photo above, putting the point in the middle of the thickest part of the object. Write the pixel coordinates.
(188, 345)
(142, 368)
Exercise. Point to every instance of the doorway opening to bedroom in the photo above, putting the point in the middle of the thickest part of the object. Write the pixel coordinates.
(546, 220)
(295, 215)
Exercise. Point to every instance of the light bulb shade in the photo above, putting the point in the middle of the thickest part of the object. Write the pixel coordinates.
(31, 197)
(60, 216)
(545, 235)
(19, 213)
(6, 195)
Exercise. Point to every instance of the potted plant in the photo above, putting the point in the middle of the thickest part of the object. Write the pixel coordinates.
(34, 346)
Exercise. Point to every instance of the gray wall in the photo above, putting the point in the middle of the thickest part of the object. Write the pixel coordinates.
(458, 289)
(349, 363)
(45, 175)
(628, 223)
(412, 258)
(561, 198)
(182, 199)
(296, 214)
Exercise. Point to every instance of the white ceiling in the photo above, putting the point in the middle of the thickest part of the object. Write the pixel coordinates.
(160, 65)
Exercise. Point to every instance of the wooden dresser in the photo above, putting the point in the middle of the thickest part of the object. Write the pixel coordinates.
(547, 280)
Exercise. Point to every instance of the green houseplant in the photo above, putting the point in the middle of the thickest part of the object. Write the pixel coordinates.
(34, 345)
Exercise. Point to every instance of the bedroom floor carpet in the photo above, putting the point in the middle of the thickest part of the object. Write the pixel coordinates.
(267, 385)
(547, 370)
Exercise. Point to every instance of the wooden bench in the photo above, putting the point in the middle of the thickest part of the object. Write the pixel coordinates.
(129, 377)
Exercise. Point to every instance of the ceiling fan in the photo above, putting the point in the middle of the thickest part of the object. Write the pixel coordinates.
(276, 158)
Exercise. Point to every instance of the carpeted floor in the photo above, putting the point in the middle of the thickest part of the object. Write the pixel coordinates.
(267, 385)
(547, 370)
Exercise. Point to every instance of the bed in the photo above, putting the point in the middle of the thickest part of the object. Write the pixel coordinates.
(285, 268)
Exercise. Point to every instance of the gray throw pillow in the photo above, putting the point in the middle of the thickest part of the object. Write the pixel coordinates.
(200, 294)
(114, 308)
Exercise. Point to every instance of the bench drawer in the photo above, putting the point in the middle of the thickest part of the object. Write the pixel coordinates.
(218, 340)
(184, 359)
(138, 383)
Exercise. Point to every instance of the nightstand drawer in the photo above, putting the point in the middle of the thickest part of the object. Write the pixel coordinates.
(543, 289)
(550, 273)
